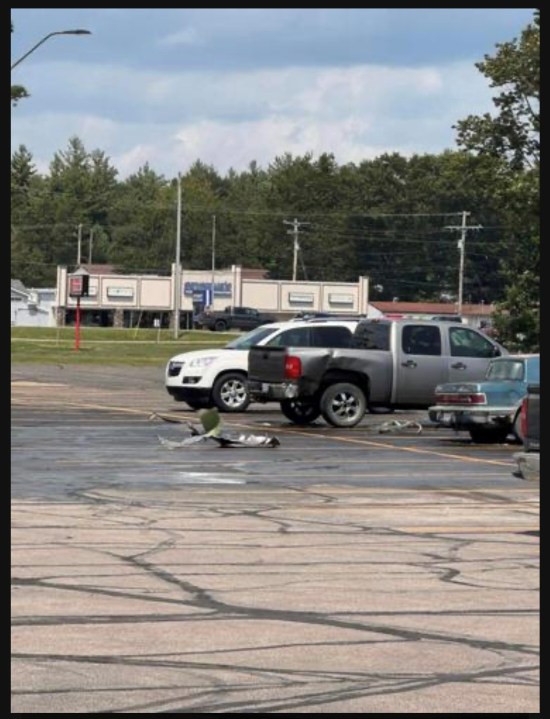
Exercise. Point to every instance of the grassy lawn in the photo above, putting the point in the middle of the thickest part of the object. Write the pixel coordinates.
(51, 345)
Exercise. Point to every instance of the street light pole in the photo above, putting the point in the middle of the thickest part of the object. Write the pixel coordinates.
(213, 258)
(46, 37)
(177, 269)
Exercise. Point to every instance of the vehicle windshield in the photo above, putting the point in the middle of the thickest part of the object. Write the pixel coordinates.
(245, 342)
(507, 369)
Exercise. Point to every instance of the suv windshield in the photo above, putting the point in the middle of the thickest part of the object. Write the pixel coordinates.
(246, 341)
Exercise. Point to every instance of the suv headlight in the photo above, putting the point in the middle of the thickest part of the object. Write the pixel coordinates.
(201, 362)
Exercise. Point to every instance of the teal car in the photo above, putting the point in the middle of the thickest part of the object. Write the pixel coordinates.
(489, 409)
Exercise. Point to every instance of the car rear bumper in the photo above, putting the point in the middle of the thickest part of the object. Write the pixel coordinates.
(453, 418)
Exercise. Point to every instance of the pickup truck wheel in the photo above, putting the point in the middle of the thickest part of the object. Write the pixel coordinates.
(343, 404)
(230, 393)
(490, 435)
(220, 325)
(299, 411)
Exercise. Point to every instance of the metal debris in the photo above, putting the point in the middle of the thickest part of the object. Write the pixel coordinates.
(395, 425)
(211, 428)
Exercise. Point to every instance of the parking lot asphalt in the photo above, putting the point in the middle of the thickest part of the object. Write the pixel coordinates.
(342, 571)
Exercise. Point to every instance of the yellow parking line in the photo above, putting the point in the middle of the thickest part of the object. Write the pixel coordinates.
(351, 440)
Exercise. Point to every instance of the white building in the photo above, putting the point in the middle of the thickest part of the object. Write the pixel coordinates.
(35, 307)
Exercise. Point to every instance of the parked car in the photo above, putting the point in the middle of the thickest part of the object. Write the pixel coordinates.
(489, 410)
(232, 318)
(528, 460)
(204, 378)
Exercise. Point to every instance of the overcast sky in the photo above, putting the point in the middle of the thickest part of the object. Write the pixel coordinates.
(229, 86)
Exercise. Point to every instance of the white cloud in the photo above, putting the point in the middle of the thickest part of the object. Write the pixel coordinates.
(187, 36)
(228, 120)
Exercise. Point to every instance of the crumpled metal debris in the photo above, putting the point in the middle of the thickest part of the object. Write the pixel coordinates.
(394, 425)
(211, 429)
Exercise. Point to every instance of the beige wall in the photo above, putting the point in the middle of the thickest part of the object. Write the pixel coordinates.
(156, 293)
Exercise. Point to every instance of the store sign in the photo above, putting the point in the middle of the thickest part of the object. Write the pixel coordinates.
(221, 289)
(120, 292)
(79, 284)
(336, 299)
(300, 298)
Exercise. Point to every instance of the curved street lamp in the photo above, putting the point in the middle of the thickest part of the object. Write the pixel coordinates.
(51, 34)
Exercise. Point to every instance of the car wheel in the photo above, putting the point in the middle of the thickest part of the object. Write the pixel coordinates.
(220, 325)
(230, 393)
(343, 404)
(489, 435)
(300, 411)
(516, 430)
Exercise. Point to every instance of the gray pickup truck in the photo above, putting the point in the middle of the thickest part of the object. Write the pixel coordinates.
(528, 460)
(386, 363)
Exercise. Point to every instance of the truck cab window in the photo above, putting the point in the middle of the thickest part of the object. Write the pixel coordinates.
(421, 340)
(372, 336)
(468, 343)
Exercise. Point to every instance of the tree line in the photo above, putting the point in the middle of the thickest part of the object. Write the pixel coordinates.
(391, 218)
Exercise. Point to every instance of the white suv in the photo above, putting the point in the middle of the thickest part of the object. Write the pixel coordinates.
(217, 377)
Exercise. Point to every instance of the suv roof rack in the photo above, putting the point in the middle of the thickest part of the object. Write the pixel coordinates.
(331, 318)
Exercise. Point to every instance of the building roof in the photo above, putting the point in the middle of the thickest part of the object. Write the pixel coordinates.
(251, 273)
(18, 286)
(99, 269)
(432, 308)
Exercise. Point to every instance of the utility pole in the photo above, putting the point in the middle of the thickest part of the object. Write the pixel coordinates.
(462, 247)
(177, 269)
(79, 246)
(90, 245)
(213, 257)
(295, 231)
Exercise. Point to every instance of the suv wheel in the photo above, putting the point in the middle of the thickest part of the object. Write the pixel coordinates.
(300, 411)
(343, 404)
(230, 393)
(220, 326)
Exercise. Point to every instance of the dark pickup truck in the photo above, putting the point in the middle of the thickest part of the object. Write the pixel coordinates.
(232, 318)
(528, 461)
(386, 363)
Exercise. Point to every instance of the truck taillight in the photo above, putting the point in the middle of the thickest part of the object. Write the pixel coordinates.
(523, 418)
(293, 367)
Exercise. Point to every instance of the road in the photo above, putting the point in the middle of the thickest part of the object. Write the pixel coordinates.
(343, 571)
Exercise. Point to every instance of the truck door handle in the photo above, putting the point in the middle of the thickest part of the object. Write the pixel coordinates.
(409, 363)
(458, 365)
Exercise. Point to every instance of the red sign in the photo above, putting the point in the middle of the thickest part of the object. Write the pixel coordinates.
(75, 286)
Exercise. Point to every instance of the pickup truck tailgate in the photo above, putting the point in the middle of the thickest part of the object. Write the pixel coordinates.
(266, 364)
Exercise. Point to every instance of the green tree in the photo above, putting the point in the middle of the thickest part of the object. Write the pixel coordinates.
(513, 136)
(18, 92)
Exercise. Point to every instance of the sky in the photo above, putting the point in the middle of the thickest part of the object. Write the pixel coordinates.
(228, 87)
